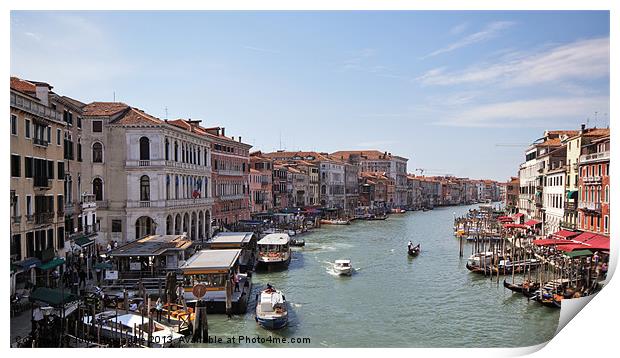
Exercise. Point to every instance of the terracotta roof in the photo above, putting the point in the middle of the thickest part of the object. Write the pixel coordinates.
(283, 154)
(560, 132)
(551, 142)
(101, 109)
(136, 116)
(23, 86)
(372, 154)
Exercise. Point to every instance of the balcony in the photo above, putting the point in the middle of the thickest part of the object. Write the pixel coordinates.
(571, 205)
(42, 183)
(594, 157)
(590, 206)
(35, 108)
(144, 163)
(43, 218)
(144, 204)
(233, 197)
(592, 180)
(171, 203)
(229, 172)
(40, 142)
(29, 218)
(102, 204)
(16, 219)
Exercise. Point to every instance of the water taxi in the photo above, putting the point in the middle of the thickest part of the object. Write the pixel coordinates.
(343, 267)
(271, 310)
(219, 270)
(274, 250)
(134, 326)
(335, 222)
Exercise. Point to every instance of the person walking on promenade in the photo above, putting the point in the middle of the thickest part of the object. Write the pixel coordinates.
(82, 278)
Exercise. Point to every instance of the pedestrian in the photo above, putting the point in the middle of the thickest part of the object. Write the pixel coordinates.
(109, 247)
(82, 278)
(236, 282)
(159, 306)
(180, 293)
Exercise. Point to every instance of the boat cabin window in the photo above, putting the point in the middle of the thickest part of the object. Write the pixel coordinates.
(210, 280)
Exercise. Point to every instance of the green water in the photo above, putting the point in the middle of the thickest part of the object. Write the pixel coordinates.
(392, 300)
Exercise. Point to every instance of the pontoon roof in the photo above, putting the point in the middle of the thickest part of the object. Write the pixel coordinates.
(212, 259)
(232, 238)
(275, 239)
(343, 261)
(153, 245)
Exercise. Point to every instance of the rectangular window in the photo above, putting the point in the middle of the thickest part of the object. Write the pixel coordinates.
(97, 127)
(28, 163)
(61, 237)
(49, 134)
(79, 122)
(13, 124)
(606, 223)
(60, 203)
(15, 165)
(27, 128)
(117, 226)
(28, 205)
(79, 152)
(58, 136)
(61, 170)
(50, 169)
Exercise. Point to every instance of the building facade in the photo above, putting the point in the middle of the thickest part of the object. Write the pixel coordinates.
(594, 182)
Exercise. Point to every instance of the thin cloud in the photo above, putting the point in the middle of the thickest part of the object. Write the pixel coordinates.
(459, 29)
(525, 113)
(584, 59)
(489, 32)
(260, 49)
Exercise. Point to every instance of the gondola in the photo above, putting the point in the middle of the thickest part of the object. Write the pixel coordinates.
(522, 288)
(552, 301)
(413, 251)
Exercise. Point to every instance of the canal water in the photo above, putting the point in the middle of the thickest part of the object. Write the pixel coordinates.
(392, 300)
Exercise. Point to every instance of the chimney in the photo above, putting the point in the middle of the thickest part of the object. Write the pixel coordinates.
(223, 131)
(239, 139)
(42, 92)
(583, 128)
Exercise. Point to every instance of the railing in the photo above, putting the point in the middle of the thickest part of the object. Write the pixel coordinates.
(34, 108)
(41, 182)
(590, 206)
(29, 218)
(594, 157)
(592, 180)
(102, 204)
(43, 218)
(571, 205)
(229, 172)
(40, 142)
(233, 197)
(16, 219)
(144, 163)
(60, 213)
(169, 203)
(145, 204)
(116, 236)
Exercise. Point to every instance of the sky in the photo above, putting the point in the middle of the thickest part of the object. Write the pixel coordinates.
(456, 92)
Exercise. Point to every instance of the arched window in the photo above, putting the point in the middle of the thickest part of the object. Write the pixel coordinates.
(167, 187)
(145, 150)
(98, 189)
(176, 151)
(145, 188)
(167, 149)
(97, 152)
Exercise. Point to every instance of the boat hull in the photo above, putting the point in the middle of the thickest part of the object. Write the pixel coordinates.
(272, 323)
(270, 265)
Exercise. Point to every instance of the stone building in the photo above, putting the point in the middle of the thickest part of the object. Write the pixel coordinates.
(594, 182)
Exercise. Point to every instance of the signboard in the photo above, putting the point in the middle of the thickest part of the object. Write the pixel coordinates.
(199, 290)
(111, 275)
(135, 266)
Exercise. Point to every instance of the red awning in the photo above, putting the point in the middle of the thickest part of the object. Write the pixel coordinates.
(518, 215)
(572, 247)
(514, 226)
(548, 242)
(532, 223)
(505, 220)
(504, 217)
(598, 242)
(565, 234)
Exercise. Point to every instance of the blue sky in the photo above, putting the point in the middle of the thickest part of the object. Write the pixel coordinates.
(441, 88)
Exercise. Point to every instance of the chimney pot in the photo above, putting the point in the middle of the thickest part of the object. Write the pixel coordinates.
(223, 131)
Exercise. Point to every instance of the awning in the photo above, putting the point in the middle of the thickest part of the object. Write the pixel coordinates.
(27, 263)
(84, 241)
(578, 253)
(52, 264)
(548, 242)
(532, 223)
(518, 215)
(103, 265)
(573, 194)
(566, 234)
(595, 241)
(52, 297)
(514, 226)
(573, 247)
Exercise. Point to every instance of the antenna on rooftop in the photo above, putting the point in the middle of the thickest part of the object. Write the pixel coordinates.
(113, 96)
(166, 109)
(280, 140)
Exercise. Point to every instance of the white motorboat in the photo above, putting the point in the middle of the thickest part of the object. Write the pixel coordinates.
(271, 310)
(136, 327)
(343, 267)
(274, 250)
